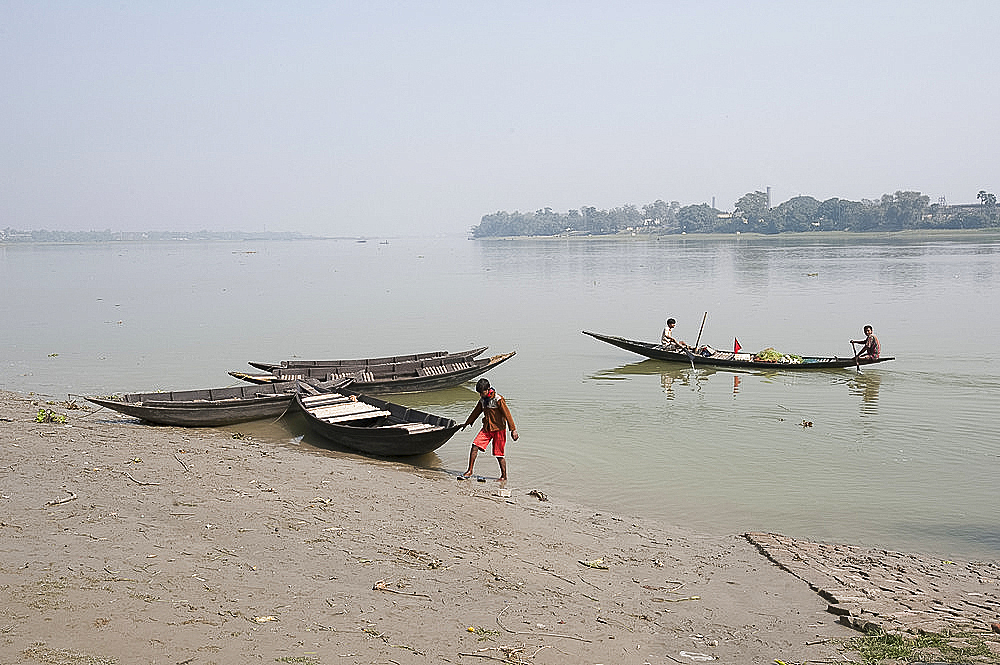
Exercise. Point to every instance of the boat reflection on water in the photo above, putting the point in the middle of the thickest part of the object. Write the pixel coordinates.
(674, 375)
(671, 375)
(866, 386)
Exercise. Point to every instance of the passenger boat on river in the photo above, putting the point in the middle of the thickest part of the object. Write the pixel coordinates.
(735, 360)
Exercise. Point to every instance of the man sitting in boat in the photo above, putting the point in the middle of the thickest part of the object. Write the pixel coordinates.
(667, 341)
(871, 348)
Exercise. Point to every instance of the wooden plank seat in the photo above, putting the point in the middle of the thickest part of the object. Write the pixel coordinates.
(357, 415)
(413, 428)
(324, 400)
(340, 409)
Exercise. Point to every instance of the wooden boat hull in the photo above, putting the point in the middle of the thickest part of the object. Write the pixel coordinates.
(430, 358)
(376, 427)
(385, 379)
(212, 407)
(656, 352)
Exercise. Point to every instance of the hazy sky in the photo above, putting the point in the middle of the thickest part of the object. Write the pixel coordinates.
(385, 118)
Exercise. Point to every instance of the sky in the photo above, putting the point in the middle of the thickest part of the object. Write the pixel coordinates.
(414, 118)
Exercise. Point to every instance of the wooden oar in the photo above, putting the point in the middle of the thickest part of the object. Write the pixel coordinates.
(689, 355)
(857, 361)
(698, 341)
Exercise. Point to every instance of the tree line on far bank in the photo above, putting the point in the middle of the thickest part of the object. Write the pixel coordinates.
(902, 211)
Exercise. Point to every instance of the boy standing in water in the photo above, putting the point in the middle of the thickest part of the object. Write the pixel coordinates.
(496, 420)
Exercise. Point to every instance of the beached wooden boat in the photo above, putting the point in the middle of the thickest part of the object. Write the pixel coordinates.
(429, 358)
(211, 407)
(370, 425)
(734, 360)
(383, 379)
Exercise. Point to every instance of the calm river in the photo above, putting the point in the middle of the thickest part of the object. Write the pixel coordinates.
(903, 455)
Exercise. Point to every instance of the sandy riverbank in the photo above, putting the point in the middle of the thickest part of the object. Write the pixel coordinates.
(121, 542)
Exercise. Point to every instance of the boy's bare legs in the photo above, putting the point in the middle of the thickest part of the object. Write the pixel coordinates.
(472, 461)
(474, 453)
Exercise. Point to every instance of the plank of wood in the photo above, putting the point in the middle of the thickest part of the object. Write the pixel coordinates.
(340, 409)
(361, 415)
(413, 428)
(322, 400)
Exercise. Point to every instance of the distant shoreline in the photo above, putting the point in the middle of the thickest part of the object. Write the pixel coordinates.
(909, 234)
(906, 234)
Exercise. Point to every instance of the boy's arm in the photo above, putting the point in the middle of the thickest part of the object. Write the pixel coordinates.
(508, 417)
(475, 412)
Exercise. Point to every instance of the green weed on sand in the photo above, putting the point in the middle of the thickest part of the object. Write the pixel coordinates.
(877, 648)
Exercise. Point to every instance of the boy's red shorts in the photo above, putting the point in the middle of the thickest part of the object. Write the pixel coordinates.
(498, 438)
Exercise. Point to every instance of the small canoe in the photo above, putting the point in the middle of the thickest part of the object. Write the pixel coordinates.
(383, 379)
(733, 360)
(370, 425)
(430, 358)
(211, 407)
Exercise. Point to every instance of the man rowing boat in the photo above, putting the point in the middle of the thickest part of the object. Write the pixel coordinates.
(667, 340)
(669, 343)
(871, 348)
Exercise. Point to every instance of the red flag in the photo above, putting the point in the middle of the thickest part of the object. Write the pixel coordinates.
(736, 345)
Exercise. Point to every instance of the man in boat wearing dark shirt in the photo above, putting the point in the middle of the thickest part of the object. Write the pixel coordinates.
(871, 348)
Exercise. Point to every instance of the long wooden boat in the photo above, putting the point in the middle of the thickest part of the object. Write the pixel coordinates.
(211, 407)
(429, 358)
(733, 360)
(370, 425)
(384, 379)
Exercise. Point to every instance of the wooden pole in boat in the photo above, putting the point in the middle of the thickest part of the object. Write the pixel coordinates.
(698, 341)
(857, 362)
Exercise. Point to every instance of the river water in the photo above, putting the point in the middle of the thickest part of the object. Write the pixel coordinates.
(903, 455)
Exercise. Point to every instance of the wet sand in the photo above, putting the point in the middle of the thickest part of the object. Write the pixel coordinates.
(123, 542)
